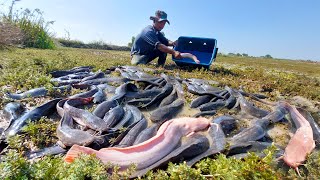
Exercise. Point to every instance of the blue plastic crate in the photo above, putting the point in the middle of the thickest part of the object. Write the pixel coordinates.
(204, 48)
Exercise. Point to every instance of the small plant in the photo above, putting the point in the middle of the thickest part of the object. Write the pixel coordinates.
(41, 133)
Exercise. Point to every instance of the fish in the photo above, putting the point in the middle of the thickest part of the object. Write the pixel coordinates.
(166, 90)
(139, 102)
(212, 106)
(250, 109)
(31, 116)
(252, 133)
(69, 136)
(217, 142)
(315, 127)
(137, 114)
(59, 82)
(200, 100)
(104, 107)
(159, 83)
(227, 123)
(164, 113)
(60, 73)
(276, 115)
(176, 82)
(38, 92)
(147, 133)
(199, 90)
(169, 99)
(122, 90)
(205, 113)
(113, 116)
(129, 139)
(53, 150)
(98, 75)
(151, 93)
(240, 150)
(126, 120)
(126, 74)
(190, 56)
(145, 154)
(302, 143)
(102, 81)
(59, 107)
(249, 146)
(12, 111)
(141, 74)
(85, 94)
(83, 117)
(187, 149)
(99, 96)
(232, 100)
(260, 96)
(106, 87)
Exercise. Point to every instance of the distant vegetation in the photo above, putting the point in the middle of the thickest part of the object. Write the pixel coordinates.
(268, 56)
(93, 45)
(132, 40)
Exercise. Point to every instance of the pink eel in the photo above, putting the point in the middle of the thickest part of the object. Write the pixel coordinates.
(302, 143)
(146, 153)
(191, 56)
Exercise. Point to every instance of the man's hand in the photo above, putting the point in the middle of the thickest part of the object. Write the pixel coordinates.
(177, 55)
(175, 43)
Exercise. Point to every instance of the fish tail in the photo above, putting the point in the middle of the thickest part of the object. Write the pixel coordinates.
(75, 152)
(297, 170)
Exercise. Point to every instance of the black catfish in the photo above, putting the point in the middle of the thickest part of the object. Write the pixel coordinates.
(83, 117)
(53, 150)
(33, 115)
(129, 139)
(147, 133)
(104, 107)
(69, 136)
(167, 112)
(217, 143)
(200, 100)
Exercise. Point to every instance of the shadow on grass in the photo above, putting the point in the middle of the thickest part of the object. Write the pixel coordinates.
(214, 70)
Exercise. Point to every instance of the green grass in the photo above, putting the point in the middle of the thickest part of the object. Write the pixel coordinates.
(23, 69)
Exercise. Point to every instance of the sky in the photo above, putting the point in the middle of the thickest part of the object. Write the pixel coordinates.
(286, 29)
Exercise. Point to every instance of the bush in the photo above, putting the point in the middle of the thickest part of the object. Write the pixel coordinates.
(26, 27)
(35, 29)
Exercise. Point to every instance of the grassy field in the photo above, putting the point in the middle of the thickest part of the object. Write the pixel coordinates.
(23, 69)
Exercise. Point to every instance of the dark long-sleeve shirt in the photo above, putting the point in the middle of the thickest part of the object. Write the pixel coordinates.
(147, 41)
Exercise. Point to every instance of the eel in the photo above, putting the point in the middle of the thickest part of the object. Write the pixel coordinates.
(149, 152)
(302, 143)
(190, 56)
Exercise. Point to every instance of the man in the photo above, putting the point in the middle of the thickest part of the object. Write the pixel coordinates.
(151, 43)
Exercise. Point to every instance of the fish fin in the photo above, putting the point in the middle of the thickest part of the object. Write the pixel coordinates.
(297, 170)
(291, 134)
(280, 158)
(61, 145)
(190, 134)
(75, 152)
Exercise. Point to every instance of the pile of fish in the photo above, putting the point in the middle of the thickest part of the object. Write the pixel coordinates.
(138, 118)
